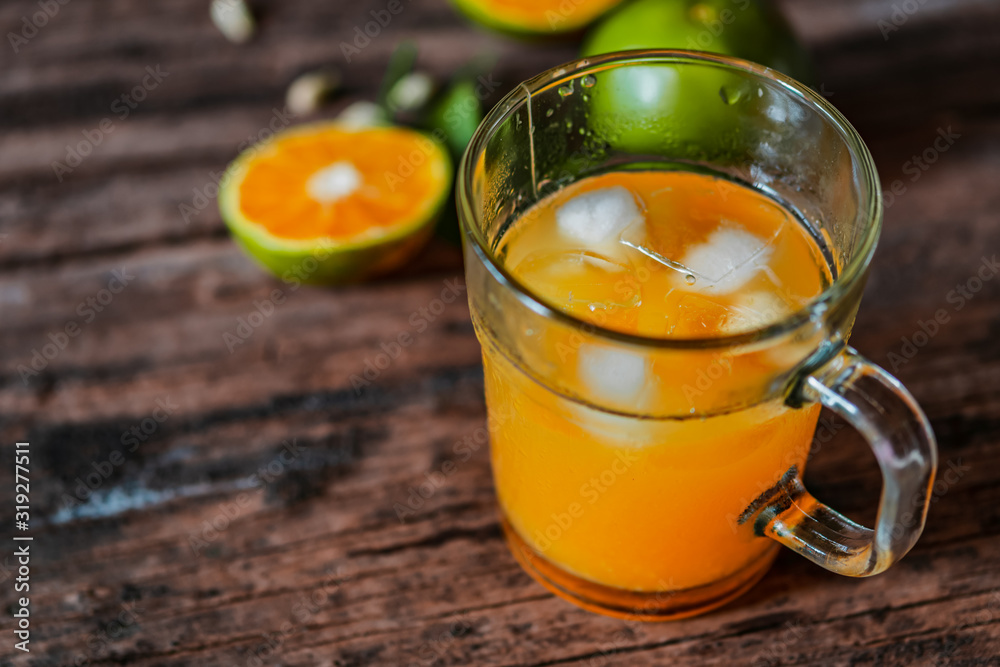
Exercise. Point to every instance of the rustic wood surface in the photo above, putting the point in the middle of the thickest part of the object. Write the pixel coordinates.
(201, 545)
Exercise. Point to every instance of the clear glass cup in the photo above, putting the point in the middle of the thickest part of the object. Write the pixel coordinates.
(668, 509)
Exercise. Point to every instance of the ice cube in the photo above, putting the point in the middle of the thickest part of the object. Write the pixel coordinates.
(612, 375)
(577, 279)
(569, 264)
(760, 309)
(755, 311)
(599, 216)
(728, 260)
(699, 315)
(621, 430)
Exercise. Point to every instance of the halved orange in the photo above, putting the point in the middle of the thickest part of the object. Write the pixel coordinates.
(534, 16)
(325, 203)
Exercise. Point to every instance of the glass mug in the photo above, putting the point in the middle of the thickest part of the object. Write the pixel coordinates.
(669, 509)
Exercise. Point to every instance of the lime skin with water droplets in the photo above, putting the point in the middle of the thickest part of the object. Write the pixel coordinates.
(657, 108)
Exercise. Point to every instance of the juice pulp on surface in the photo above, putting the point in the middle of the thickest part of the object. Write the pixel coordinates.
(648, 504)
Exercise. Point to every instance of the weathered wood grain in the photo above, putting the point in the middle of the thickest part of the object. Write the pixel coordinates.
(192, 551)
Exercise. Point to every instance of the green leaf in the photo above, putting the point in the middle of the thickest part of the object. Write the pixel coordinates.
(401, 63)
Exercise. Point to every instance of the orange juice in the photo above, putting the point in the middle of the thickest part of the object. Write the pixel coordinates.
(641, 501)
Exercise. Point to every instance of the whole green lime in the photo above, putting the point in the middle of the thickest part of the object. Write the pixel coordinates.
(655, 108)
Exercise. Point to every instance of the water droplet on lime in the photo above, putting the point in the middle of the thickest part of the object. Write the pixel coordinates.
(730, 96)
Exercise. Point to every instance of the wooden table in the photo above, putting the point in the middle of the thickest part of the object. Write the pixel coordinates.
(196, 505)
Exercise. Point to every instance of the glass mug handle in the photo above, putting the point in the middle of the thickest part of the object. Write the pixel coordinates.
(887, 416)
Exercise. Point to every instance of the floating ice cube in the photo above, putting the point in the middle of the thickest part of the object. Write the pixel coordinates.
(700, 315)
(760, 309)
(577, 279)
(614, 375)
(569, 264)
(708, 314)
(621, 430)
(599, 216)
(755, 311)
(728, 260)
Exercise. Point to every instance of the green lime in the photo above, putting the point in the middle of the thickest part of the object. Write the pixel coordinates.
(650, 109)
(327, 203)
